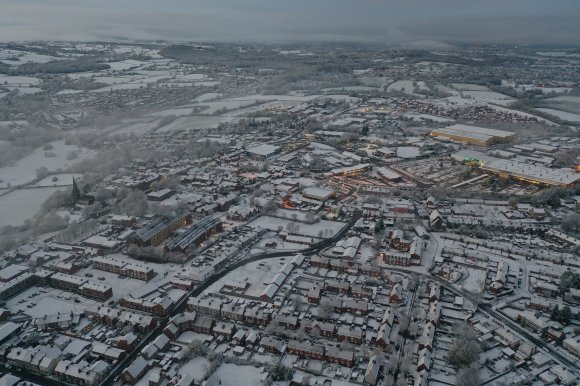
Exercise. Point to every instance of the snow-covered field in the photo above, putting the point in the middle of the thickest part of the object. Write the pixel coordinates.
(177, 111)
(62, 179)
(125, 64)
(24, 170)
(127, 82)
(352, 88)
(138, 126)
(230, 104)
(234, 375)
(406, 86)
(26, 90)
(192, 77)
(18, 80)
(235, 109)
(254, 97)
(489, 96)
(207, 96)
(443, 88)
(195, 122)
(311, 230)
(19, 205)
(475, 281)
(24, 57)
(561, 114)
(469, 87)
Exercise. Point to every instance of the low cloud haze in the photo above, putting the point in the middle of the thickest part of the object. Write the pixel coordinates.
(375, 21)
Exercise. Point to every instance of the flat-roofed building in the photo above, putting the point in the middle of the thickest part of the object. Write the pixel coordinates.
(263, 151)
(479, 136)
(319, 194)
(521, 171)
(160, 195)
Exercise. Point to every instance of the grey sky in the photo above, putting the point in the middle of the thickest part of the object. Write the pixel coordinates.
(388, 21)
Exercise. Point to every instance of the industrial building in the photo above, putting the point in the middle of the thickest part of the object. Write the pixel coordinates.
(318, 194)
(479, 136)
(533, 174)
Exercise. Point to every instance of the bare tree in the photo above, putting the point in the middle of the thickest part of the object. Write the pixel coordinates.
(325, 309)
(465, 349)
(135, 204)
(469, 376)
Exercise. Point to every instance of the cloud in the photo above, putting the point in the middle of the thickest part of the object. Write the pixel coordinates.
(376, 21)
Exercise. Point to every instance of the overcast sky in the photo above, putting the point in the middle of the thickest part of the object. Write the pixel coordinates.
(388, 21)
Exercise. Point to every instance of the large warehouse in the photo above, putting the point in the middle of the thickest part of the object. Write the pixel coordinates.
(534, 174)
(479, 136)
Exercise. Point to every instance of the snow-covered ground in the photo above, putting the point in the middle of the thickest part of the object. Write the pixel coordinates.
(195, 122)
(125, 64)
(443, 88)
(489, 96)
(562, 114)
(10, 80)
(469, 87)
(475, 281)
(62, 179)
(207, 96)
(253, 97)
(137, 125)
(230, 104)
(197, 368)
(19, 205)
(24, 170)
(23, 57)
(47, 301)
(406, 86)
(311, 230)
(234, 375)
(121, 287)
(259, 274)
(352, 88)
(177, 111)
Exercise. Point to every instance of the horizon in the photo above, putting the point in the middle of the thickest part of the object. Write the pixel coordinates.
(422, 22)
